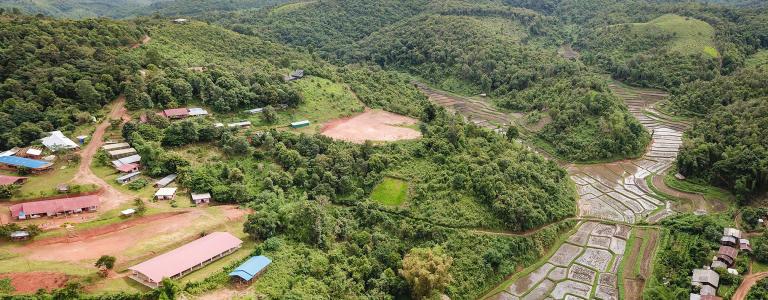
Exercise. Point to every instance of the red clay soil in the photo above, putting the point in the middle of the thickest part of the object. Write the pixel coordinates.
(746, 285)
(90, 233)
(27, 283)
(115, 239)
(110, 197)
(373, 125)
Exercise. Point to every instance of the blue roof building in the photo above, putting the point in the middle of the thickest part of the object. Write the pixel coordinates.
(251, 267)
(15, 161)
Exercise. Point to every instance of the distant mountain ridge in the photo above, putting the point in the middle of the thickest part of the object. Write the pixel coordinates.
(79, 9)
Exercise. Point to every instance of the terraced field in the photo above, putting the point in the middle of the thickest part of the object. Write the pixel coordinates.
(585, 266)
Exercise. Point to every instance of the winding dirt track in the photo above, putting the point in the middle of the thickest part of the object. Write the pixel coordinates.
(746, 284)
(110, 197)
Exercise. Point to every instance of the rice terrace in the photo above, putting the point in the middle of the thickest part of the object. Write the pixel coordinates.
(383, 149)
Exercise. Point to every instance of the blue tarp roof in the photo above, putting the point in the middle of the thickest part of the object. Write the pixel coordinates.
(251, 267)
(23, 162)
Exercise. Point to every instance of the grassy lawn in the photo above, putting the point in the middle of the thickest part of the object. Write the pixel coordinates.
(390, 191)
(691, 36)
(44, 184)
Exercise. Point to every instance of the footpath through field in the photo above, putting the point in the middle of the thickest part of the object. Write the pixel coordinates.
(587, 263)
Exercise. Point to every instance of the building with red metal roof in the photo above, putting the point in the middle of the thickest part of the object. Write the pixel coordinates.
(8, 180)
(176, 113)
(185, 259)
(31, 210)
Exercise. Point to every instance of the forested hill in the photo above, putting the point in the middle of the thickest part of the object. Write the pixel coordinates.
(469, 47)
(79, 9)
(56, 73)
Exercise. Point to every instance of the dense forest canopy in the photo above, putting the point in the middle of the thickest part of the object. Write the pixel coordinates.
(55, 73)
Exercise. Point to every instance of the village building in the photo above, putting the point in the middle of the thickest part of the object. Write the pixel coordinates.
(185, 259)
(732, 232)
(180, 21)
(165, 193)
(176, 113)
(10, 152)
(128, 168)
(240, 124)
(706, 280)
(120, 153)
(163, 182)
(251, 268)
(255, 110)
(196, 112)
(201, 198)
(128, 177)
(744, 245)
(62, 188)
(704, 297)
(127, 212)
(14, 163)
(115, 146)
(33, 153)
(9, 180)
(56, 140)
(37, 209)
(716, 264)
(300, 124)
(295, 75)
(19, 235)
(727, 255)
(133, 159)
(218, 125)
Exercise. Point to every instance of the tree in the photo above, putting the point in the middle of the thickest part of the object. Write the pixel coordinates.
(105, 262)
(168, 289)
(141, 207)
(426, 271)
(512, 132)
(269, 115)
(89, 96)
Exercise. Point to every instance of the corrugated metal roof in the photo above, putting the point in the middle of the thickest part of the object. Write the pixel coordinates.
(115, 146)
(54, 206)
(185, 257)
(175, 112)
(166, 180)
(196, 111)
(57, 140)
(23, 162)
(166, 191)
(127, 176)
(6, 180)
(201, 196)
(251, 267)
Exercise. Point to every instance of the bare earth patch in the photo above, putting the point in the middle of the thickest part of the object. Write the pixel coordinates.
(30, 282)
(373, 125)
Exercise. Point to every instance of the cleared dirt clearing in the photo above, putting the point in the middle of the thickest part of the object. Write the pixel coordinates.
(372, 125)
(26, 283)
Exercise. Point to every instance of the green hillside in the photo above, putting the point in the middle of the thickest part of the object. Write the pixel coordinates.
(688, 35)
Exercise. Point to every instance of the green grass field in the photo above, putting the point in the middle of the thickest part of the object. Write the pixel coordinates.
(691, 36)
(390, 191)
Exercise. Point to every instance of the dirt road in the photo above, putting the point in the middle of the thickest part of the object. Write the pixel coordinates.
(746, 285)
(144, 41)
(110, 197)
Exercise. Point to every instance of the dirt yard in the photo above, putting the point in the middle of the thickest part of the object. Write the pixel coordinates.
(26, 283)
(373, 125)
(118, 239)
